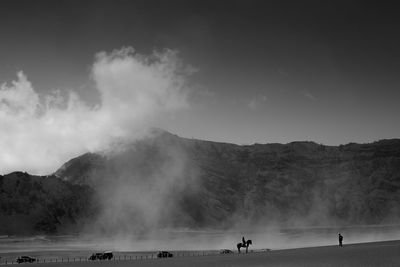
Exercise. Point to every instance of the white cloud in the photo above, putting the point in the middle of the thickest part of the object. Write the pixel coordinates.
(38, 134)
(308, 95)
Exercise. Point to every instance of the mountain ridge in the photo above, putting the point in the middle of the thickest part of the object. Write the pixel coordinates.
(167, 181)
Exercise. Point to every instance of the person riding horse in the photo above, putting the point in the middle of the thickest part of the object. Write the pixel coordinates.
(244, 244)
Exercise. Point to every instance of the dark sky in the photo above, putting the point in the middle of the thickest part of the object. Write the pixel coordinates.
(268, 71)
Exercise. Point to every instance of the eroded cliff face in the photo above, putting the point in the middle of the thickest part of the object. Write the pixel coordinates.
(165, 181)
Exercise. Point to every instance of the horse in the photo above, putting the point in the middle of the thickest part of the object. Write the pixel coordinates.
(246, 245)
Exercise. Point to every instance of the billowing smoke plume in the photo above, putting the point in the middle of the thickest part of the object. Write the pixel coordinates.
(140, 189)
(39, 133)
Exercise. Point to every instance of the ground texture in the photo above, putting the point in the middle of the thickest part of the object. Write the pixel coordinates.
(367, 254)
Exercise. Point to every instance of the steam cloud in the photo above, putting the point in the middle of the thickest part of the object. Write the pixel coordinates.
(39, 133)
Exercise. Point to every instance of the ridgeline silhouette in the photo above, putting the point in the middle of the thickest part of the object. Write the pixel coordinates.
(216, 185)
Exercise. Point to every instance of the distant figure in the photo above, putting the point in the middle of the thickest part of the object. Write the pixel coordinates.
(245, 245)
(243, 241)
(340, 240)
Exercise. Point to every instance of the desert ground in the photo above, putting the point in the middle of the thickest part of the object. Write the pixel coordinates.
(364, 254)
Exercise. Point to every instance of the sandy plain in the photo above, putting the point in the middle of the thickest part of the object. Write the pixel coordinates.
(373, 254)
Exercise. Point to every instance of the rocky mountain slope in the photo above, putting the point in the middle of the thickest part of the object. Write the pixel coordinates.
(168, 181)
(42, 204)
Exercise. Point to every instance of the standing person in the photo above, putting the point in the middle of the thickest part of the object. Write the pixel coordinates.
(340, 240)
